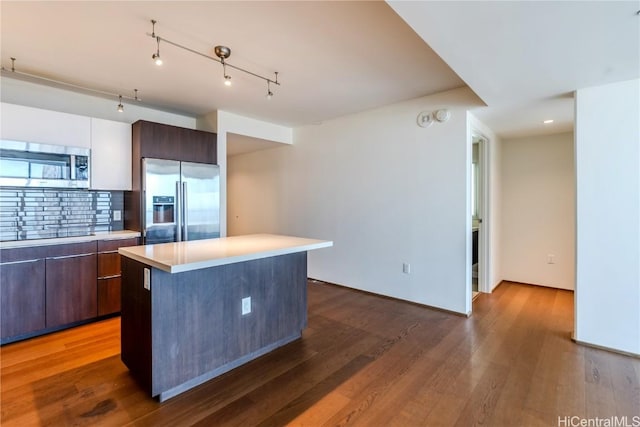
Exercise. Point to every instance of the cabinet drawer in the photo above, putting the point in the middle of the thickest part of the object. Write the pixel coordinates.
(113, 245)
(108, 296)
(108, 264)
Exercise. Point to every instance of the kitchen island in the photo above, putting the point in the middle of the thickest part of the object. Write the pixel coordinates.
(194, 310)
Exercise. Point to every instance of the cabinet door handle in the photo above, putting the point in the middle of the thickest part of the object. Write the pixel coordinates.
(109, 252)
(113, 276)
(70, 256)
(21, 262)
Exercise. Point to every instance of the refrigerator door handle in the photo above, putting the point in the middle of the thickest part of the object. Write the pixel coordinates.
(185, 212)
(178, 212)
(143, 205)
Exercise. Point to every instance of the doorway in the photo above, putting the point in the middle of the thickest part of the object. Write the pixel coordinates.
(479, 204)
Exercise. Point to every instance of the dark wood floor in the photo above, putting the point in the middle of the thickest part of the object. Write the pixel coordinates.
(364, 360)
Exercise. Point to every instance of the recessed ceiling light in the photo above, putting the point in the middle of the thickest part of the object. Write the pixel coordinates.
(546, 122)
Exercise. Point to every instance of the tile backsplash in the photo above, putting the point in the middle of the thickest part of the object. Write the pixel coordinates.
(37, 213)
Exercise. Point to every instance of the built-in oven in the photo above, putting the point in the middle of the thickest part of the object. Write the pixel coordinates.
(29, 164)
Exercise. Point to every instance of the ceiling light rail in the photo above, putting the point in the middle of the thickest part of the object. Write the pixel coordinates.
(53, 82)
(222, 53)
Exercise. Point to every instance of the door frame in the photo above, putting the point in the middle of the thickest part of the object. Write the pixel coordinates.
(484, 231)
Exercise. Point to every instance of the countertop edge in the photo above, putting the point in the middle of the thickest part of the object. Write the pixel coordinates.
(102, 235)
(216, 262)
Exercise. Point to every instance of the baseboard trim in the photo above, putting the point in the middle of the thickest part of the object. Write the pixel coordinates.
(533, 284)
(444, 310)
(602, 347)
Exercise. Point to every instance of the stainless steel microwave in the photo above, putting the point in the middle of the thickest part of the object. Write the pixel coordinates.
(29, 164)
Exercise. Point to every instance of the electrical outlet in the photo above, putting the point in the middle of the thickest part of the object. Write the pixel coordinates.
(406, 268)
(147, 279)
(551, 259)
(117, 215)
(246, 305)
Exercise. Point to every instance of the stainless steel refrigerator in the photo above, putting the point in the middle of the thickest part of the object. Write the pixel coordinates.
(181, 201)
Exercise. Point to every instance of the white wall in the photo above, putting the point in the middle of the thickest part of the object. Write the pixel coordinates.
(225, 123)
(538, 210)
(383, 189)
(233, 123)
(256, 188)
(607, 139)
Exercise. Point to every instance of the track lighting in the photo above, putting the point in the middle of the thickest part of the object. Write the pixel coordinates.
(221, 52)
(269, 93)
(156, 56)
(227, 78)
(35, 78)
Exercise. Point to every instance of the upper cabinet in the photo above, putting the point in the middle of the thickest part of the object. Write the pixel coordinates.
(157, 140)
(30, 124)
(110, 155)
(110, 141)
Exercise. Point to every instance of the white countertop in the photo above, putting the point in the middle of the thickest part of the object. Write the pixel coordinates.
(193, 255)
(99, 235)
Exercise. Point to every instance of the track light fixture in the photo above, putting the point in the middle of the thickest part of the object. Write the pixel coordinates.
(269, 93)
(227, 78)
(35, 78)
(222, 53)
(156, 56)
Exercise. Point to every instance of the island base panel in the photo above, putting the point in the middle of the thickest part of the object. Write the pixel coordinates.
(189, 327)
(225, 368)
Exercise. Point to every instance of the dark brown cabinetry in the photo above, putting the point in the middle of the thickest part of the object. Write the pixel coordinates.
(47, 288)
(22, 291)
(71, 284)
(109, 271)
(160, 141)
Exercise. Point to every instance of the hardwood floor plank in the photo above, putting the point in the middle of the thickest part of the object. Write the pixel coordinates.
(300, 404)
(599, 389)
(362, 361)
(625, 381)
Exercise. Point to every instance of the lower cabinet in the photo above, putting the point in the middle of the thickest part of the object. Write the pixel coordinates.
(22, 292)
(71, 289)
(46, 288)
(109, 274)
(108, 295)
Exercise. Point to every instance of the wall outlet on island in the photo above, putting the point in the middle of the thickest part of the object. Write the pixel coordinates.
(147, 279)
(246, 305)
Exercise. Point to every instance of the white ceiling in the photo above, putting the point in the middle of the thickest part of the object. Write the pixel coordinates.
(523, 58)
(334, 58)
